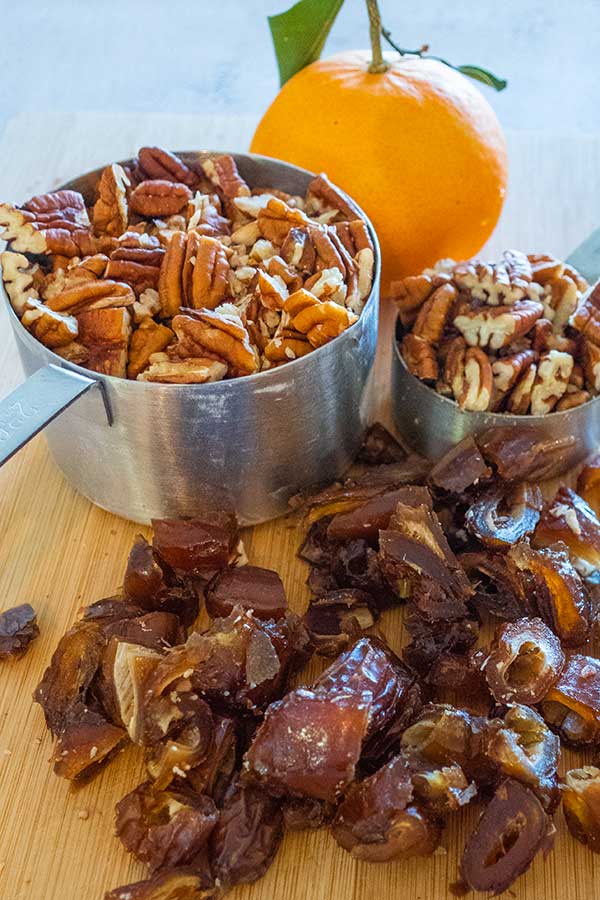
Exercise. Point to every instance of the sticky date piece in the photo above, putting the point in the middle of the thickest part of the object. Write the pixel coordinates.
(581, 805)
(500, 518)
(572, 705)
(249, 587)
(524, 661)
(18, 628)
(336, 618)
(512, 829)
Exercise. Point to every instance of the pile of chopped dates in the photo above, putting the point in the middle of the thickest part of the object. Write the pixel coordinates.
(374, 749)
(179, 272)
(520, 336)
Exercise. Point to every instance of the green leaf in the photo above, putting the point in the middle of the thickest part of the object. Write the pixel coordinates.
(300, 32)
(484, 76)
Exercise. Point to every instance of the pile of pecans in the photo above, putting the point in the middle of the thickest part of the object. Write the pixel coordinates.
(373, 749)
(181, 273)
(521, 335)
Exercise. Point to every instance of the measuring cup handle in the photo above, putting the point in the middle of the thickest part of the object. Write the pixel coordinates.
(35, 403)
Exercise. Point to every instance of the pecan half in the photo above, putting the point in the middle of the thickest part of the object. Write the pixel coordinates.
(560, 300)
(92, 294)
(496, 327)
(586, 317)
(508, 369)
(419, 356)
(520, 399)
(156, 163)
(136, 266)
(433, 315)
(410, 294)
(299, 251)
(50, 223)
(53, 329)
(194, 273)
(589, 355)
(469, 374)
(325, 195)
(545, 338)
(196, 370)
(222, 171)
(159, 198)
(105, 333)
(496, 284)
(111, 212)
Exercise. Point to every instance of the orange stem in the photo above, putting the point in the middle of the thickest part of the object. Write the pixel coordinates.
(378, 63)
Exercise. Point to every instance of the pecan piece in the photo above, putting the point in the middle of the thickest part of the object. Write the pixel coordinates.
(320, 321)
(158, 164)
(544, 339)
(272, 289)
(206, 331)
(137, 266)
(286, 346)
(508, 369)
(111, 211)
(222, 171)
(498, 326)
(192, 370)
(469, 374)
(552, 377)
(572, 399)
(410, 294)
(194, 272)
(590, 361)
(50, 223)
(53, 329)
(19, 275)
(323, 194)
(276, 220)
(519, 400)
(18, 629)
(586, 317)
(433, 315)
(560, 301)
(149, 338)
(105, 334)
(159, 198)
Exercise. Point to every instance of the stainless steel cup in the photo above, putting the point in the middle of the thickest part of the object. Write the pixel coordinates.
(144, 450)
(432, 424)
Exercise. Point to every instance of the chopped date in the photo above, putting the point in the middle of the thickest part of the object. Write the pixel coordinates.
(522, 747)
(196, 547)
(337, 618)
(500, 587)
(581, 805)
(164, 829)
(185, 883)
(85, 744)
(569, 519)
(144, 579)
(301, 813)
(378, 821)
(442, 789)
(443, 734)
(189, 743)
(511, 831)
(501, 517)
(462, 467)
(588, 484)
(247, 836)
(432, 641)
(309, 743)
(572, 705)
(367, 520)
(18, 629)
(259, 590)
(518, 455)
(523, 662)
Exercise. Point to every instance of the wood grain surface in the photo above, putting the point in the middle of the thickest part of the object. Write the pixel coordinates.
(59, 552)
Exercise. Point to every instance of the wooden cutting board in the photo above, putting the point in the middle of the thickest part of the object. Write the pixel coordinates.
(59, 552)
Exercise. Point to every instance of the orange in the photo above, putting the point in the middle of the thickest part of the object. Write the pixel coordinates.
(417, 146)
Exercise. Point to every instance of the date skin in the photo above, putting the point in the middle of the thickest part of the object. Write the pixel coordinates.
(18, 629)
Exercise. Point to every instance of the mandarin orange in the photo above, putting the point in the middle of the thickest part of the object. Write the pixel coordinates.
(417, 146)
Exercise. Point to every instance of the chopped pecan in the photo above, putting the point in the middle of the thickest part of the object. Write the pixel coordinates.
(586, 318)
(320, 321)
(19, 275)
(111, 211)
(552, 377)
(508, 369)
(53, 329)
(469, 373)
(156, 163)
(149, 338)
(223, 173)
(136, 266)
(18, 628)
(224, 336)
(498, 326)
(572, 399)
(159, 198)
(192, 370)
(519, 400)
(355, 236)
(411, 293)
(589, 354)
(105, 334)
(276, 220)
(434, 314)
(273, 290)
(323, 194)
(545, 339)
